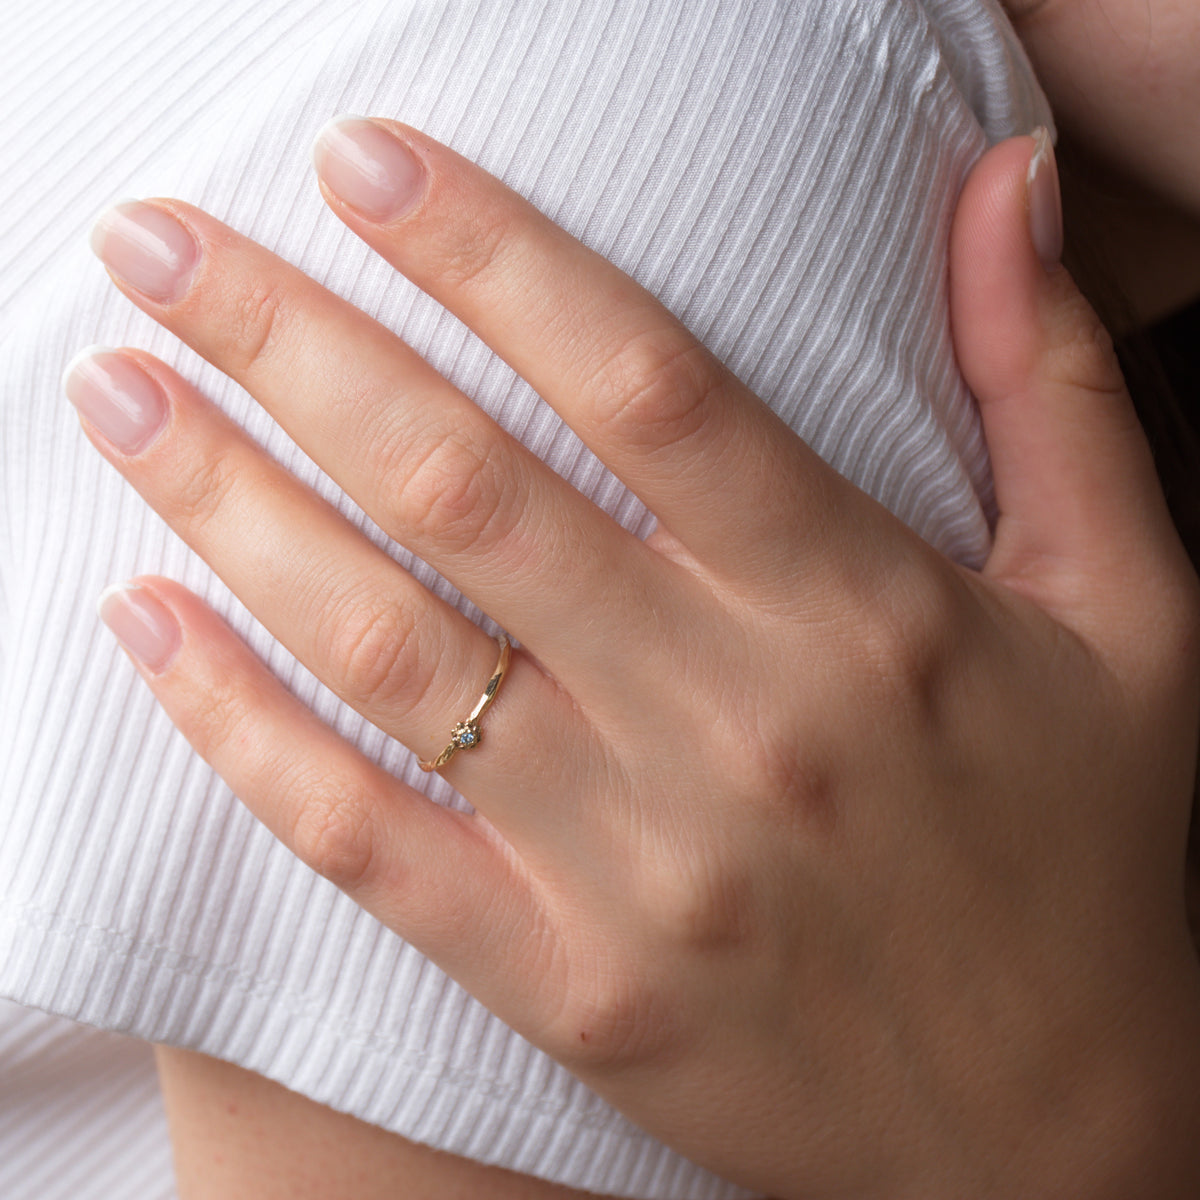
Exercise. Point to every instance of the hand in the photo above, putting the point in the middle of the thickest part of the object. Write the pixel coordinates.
(842, 869)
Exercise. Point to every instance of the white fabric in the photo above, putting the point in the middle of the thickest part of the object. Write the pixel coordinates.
(81, 1117)
(781, 173)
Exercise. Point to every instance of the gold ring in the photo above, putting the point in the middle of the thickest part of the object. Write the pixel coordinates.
(466, 735)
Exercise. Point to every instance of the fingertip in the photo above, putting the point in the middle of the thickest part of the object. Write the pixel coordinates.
(142, 623)
(995, 269)
(369, 168)
(79, 360)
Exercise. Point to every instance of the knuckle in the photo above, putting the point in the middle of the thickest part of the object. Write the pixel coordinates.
(1083, 356)
(611, 1020)
(905, 643)
(454, 493)
(373, 652)
(700, 907)
(790, 786)
(470, 251)
(201, 488)
(334, 832)
(222, 716)
(655, 390)
(252, 326)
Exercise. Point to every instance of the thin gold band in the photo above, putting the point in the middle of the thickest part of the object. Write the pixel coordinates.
(466, 735)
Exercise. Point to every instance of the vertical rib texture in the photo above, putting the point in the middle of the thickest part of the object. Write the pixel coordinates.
(781, 174)
(80, 1113)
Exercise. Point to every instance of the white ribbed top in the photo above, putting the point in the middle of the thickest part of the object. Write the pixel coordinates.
(81, 1117)
(780, 172)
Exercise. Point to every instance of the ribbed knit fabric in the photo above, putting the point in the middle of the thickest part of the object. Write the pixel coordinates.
(780, 172)
(81, 1117)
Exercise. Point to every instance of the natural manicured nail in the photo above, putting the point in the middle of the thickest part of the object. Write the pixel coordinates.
(1045, 201)
(111, 392)
(368, 168)
(147, 248)
(142, 624)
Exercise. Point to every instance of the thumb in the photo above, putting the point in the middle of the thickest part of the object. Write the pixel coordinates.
(1078, 498)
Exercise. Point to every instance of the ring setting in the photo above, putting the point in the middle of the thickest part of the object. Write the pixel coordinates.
(466, 735)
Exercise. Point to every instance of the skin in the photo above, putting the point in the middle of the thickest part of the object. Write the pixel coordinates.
(1132, 196)
(1135, 192)
(1145, 51)
(791, 950)
(1153, 239)
(238, 1136)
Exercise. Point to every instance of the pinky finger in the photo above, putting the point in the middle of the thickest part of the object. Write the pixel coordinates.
(439, 878)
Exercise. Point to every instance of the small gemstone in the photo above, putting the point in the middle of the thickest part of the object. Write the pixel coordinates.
(466, 736)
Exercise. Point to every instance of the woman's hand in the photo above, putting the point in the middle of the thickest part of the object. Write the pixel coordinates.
(844, 870)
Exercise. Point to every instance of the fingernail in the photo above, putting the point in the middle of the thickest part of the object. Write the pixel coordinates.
(142, 624)
(368, 168)
(1045, 201)
(111, 392)
(147, 248)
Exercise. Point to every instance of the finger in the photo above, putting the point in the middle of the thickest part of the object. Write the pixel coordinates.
(434, 875)
(661, 411)
(425, 463)
(402, 657)
(1076, 489)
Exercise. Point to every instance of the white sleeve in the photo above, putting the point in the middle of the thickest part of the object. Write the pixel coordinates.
(782, 175)
(81, 1117)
